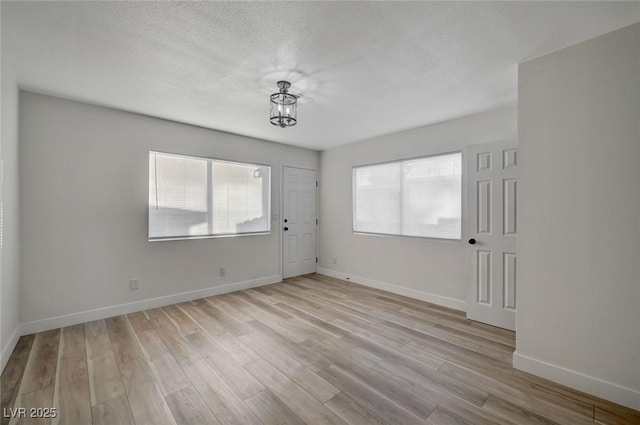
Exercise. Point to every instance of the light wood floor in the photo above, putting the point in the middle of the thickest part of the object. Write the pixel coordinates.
(311, 350)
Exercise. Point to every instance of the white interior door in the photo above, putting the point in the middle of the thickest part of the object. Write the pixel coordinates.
(299, 225)
(492, 230)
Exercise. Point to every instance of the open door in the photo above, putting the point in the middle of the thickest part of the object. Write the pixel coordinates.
(491, 231)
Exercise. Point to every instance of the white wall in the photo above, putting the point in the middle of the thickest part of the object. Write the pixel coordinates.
(9, 265)
(84, 195)
(428, 269)
(579, 242)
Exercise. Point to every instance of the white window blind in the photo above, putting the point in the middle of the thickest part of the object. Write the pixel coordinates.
(192, 197)
(415, 197)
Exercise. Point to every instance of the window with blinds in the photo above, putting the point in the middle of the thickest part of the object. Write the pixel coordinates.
(191, 197)
(415, 197)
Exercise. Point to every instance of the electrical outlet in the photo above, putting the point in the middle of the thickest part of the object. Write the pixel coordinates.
(335, 260)
(134, 284)
(222, 272)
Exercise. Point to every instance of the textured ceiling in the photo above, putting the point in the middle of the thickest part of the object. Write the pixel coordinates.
(362, 69)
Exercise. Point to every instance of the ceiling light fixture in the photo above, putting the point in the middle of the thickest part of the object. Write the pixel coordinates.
(284, 106)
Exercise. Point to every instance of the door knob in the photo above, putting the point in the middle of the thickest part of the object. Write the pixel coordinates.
(285, 229)
(472, 241)
(285, 220)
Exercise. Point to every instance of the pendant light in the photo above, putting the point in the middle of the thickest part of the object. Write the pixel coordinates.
(284, 106)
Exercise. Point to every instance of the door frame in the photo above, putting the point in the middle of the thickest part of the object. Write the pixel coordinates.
(280, 213)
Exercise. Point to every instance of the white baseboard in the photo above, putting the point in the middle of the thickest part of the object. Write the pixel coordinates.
(579, 381)
(397, 289)
(11, 344)
(116, 310)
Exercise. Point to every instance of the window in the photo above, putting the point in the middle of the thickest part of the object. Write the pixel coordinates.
(192, 197)
(414, 197)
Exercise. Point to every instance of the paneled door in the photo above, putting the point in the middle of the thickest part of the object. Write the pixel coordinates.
(492, 228)
(299, 224)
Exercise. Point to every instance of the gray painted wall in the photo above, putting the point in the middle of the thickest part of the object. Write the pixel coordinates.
(579, 241)
(84, 200)
(9, 266)
(430, 269)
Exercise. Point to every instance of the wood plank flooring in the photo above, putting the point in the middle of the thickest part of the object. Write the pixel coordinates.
(310, 350)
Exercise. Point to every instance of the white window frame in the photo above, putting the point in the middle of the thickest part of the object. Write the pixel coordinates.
(221, 235)
(462, 197)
